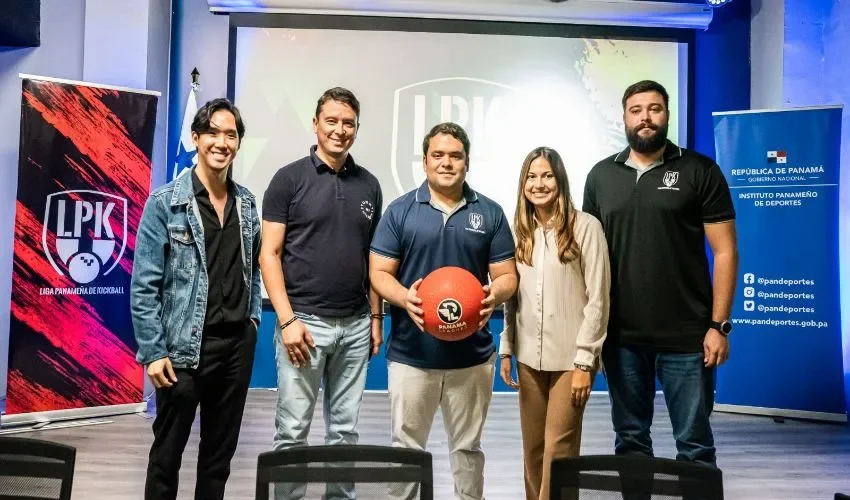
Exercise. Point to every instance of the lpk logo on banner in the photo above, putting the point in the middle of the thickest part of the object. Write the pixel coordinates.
(90, 230)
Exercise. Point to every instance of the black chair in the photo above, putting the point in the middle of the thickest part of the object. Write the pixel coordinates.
(32, 468)
(633, 477)
(369, 469)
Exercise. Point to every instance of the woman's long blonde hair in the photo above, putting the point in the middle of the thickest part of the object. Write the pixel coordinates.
(564, 214)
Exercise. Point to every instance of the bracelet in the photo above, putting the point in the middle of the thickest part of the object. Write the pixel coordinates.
(288, 322)
(378, 315)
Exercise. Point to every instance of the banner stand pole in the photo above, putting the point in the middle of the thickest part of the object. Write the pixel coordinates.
(838, 418)
(49, 417)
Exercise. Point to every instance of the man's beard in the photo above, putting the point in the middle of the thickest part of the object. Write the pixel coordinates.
(650, 144)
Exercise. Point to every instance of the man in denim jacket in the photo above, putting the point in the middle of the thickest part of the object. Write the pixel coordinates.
(196, 306)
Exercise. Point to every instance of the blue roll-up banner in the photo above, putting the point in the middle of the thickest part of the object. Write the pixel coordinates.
(786, 352)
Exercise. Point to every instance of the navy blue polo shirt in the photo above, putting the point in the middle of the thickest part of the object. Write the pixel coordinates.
(330, 219)
(422, 237)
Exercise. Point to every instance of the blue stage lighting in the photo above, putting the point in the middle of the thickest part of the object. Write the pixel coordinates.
(717, 3)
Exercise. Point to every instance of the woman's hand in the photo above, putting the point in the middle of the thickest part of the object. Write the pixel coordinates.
(581, 387)
(505, 372)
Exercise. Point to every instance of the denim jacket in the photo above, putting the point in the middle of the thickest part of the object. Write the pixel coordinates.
(168, 298)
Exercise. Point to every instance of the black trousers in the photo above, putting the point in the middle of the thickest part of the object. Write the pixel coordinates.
(219, 386)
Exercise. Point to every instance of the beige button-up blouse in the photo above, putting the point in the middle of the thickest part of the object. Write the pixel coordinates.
(559, 315)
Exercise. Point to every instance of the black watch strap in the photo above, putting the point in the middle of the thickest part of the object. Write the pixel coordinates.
(724, 327)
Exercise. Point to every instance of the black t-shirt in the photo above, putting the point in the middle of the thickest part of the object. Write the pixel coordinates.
(661, 294)
(330, 219)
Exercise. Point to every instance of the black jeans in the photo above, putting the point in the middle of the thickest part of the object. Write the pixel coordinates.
(220, 387)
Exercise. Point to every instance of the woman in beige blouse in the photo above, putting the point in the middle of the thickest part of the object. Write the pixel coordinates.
(555, 324)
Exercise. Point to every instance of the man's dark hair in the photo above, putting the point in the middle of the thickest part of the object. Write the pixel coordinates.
(201, 123)
(646, 86)
(448, 128)
(342, 95)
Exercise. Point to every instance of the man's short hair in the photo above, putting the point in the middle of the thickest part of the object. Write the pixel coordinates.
(201, 122)
(342, 95)
(448, 128)
(646, 86)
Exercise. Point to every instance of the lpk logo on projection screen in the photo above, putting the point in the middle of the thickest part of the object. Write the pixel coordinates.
(483, 108)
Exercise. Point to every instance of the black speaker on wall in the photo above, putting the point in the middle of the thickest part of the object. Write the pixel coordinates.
(20, 23)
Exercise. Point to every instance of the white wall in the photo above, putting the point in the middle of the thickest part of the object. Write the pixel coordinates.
(201, 40)
(817, 38)
(159, 55)
(127, 43)
(837, 75)
(767, 41)
(116, 48)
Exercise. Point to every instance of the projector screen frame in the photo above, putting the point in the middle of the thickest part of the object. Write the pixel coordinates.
(683, 36)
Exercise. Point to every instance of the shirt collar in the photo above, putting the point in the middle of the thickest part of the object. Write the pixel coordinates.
(671, 151)
(319, 164)
(539, 224)
(199, 189)
(423, 194)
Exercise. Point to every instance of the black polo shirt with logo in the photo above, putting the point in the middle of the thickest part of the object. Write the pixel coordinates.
(330, 219)
(661, 292)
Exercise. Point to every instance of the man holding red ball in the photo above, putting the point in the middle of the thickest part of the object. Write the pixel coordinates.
(442, 223)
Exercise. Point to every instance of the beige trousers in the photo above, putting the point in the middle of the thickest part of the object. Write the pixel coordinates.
(464, 396)
(551, 425)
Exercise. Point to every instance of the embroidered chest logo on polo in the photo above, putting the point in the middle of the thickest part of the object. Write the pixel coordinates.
(367, 208)
(670, 179)
(475, 223)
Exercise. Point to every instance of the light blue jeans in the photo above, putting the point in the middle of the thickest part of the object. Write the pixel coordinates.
(338, 363)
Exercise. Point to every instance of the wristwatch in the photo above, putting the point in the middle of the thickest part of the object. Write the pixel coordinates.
(724, 327)
(584, 368)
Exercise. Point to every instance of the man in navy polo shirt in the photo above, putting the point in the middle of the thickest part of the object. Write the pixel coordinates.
(319, 215)
(658, 203)
(442, 223)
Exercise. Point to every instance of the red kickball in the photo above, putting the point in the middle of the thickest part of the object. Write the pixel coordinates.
(451, 301)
